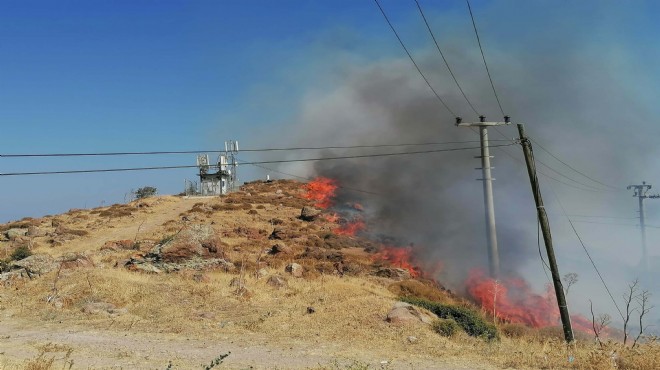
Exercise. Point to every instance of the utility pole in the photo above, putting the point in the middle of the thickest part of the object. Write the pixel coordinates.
(640, 191)
(547, 238)
(491, 231)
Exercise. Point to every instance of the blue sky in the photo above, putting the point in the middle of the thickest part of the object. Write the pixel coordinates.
(93, 76)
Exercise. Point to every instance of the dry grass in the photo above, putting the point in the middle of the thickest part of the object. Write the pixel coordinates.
(349, 310)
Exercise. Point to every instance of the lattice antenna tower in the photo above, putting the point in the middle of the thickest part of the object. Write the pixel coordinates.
(230, 164)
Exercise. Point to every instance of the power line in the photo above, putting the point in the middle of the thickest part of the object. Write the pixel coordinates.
(242, 150)
(604, 223)
(614, 217)
(544, 174)
(569, 178)
(474, 24)
(587, 252)
(573, 168)
(251, 163)
(413, 60)
(588, 188)
(421, 12)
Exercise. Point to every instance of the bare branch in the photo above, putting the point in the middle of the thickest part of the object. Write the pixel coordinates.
(569, 280)
(644, 308)
(628, 298)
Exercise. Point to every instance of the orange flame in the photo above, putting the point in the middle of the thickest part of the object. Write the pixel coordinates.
(333, 217)
(351, 228)
(322, 191)
(512, 300)
(398, 257)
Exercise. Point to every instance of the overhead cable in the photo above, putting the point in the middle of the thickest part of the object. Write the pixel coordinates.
(435, 41)
(474, 25)
(413, 60)
(257, 162)
(574, 169)
(26, 155)
(587, 252)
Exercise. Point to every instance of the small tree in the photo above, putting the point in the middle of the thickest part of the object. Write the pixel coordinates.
(145, 192)
(644, 308)
(628, 298)
(570, 279)
(598, 323)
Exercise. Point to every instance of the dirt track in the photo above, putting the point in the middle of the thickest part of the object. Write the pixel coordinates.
(21, 340)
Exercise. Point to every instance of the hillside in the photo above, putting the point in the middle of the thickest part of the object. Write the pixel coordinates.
(181, 281)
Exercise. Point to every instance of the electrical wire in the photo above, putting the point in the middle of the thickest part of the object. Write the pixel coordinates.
(242, 150)
(538, 244)
(435, 41)
(544, 174)
(573, 168)
(413, 60)
(604, 223)
(474, 25)
(257, 162)
(586, 251)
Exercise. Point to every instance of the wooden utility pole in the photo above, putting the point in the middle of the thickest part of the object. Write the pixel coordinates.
(547, 238)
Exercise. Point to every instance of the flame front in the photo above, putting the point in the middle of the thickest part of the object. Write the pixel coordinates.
(322, 191)
(512, 300)
(351, 228)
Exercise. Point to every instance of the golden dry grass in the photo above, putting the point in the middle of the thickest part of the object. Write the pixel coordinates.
(349, 311)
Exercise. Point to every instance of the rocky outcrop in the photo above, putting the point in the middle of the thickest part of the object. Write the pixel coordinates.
(309, 214)
(403, 313)
(35, 264)
(295, 269)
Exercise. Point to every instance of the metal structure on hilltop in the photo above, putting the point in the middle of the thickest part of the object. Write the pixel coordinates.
(225, 177)
(640, 191)
(491, 231)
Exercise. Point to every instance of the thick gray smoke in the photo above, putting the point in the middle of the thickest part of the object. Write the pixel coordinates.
(587, 106)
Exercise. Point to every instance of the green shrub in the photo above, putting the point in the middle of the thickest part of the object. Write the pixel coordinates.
(145, 192)
(471, 321)
(20, 253)
(446, 327)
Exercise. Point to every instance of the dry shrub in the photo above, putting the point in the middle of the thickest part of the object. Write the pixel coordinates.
(61, 230)
(115, 211)
(246, 232)
(15, 225)
(215, 245)
(276, 221)
(333, 241)
(643, 357)
(261, 206)
(252, 212)
(550, 332)
(515, 330)
(418, 289)
(40, 363)
(183, 250)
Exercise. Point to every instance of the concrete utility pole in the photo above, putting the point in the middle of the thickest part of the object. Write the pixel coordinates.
(547, 238)
(491, 231)
(640, 192)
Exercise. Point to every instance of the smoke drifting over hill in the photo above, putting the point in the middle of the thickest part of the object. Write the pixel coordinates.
(578, 102)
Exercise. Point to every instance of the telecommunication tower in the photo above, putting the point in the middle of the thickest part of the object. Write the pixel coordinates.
(225, 179)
